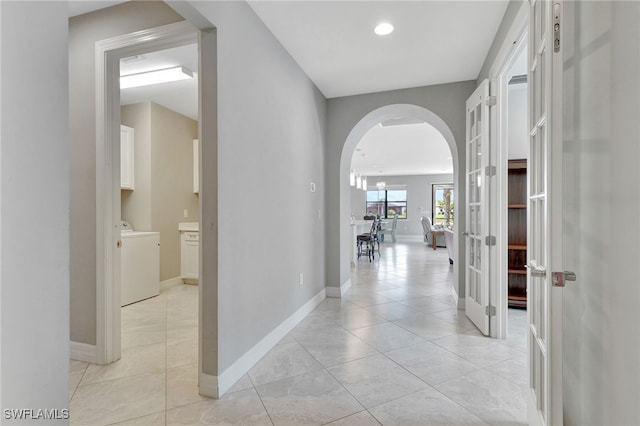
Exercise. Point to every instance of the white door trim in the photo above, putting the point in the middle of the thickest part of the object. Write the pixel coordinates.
(498, 291)
(108, 54)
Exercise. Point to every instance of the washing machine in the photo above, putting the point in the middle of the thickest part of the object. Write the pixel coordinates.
(139, 265)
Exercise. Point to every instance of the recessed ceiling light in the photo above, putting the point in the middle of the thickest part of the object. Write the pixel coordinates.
(383, 28)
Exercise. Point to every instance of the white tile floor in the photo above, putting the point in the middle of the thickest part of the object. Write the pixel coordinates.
(394, 351)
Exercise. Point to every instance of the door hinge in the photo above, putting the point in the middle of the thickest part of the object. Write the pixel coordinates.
(490, 311)
(491, 101)
(490, 171)
(490, 240)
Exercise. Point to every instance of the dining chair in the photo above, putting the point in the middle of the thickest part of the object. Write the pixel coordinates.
(369, 239)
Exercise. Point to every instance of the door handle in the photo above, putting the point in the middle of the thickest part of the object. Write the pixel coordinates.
(119, 243)
(559, 279)
(465, 234)
(536, 271)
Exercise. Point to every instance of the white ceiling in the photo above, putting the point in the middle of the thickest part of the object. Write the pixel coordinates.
(79, 7)
(434, 42)
(180, 96)
(410, 149)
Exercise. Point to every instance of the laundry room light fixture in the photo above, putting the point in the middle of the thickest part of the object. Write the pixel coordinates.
(383, 28)
(147, 78)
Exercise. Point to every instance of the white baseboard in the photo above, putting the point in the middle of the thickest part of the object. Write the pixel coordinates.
(83, 352)
(171, 282)
(208, 385)
(239, 368)
(339, 292)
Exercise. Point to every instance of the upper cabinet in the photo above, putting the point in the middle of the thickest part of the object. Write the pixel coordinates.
(126, 157)
(196, 167)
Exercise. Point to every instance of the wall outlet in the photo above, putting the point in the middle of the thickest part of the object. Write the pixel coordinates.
(301, 279)
(186, 213)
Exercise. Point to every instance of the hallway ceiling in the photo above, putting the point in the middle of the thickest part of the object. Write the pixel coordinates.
(434, 42)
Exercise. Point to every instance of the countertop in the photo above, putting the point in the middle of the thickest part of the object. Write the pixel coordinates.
(189, 227)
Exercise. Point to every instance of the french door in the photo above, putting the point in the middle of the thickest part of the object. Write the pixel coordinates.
(544, 298)
(477, 210)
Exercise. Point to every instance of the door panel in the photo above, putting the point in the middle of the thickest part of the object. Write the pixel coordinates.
(477, 272)
(544, 231)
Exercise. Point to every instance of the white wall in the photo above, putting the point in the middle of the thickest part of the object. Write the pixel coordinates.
(601, 232)
(34, 212)
(419, 199)
(518, 139)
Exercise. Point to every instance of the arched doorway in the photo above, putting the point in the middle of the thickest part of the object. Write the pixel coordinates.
(373, 118)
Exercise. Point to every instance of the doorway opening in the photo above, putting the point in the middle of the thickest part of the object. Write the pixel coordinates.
(401, 174)
(392, 114)
(160, 211)
(108, 55)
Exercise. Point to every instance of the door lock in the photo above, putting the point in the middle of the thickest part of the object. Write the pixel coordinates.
(559, 279)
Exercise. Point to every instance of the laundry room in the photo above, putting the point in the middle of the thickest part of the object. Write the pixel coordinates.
(159, 174)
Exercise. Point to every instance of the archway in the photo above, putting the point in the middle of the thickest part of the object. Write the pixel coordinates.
(394, 111)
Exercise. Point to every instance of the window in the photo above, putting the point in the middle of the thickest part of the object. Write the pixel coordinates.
(443, 204)
(387, 203)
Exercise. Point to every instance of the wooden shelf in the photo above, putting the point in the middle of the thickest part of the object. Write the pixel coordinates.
(517, 233)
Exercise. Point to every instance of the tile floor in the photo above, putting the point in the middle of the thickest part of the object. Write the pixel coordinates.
(394, 351)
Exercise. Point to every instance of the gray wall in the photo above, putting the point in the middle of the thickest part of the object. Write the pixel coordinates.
(601, 379)
(447, 101)
(164, 177)
(419, 200)
(84, 31)
(34, 213)
(271, 134)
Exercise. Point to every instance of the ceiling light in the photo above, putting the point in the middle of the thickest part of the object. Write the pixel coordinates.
(383, 28)
(154, 77)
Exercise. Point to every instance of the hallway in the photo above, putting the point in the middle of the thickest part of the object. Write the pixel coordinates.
(394, 351)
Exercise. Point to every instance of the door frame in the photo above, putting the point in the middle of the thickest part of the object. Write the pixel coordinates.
(515, 43)
(108, 55)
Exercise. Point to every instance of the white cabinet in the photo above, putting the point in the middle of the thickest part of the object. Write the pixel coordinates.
(126, 157)
(189, 256)
(196, 166)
